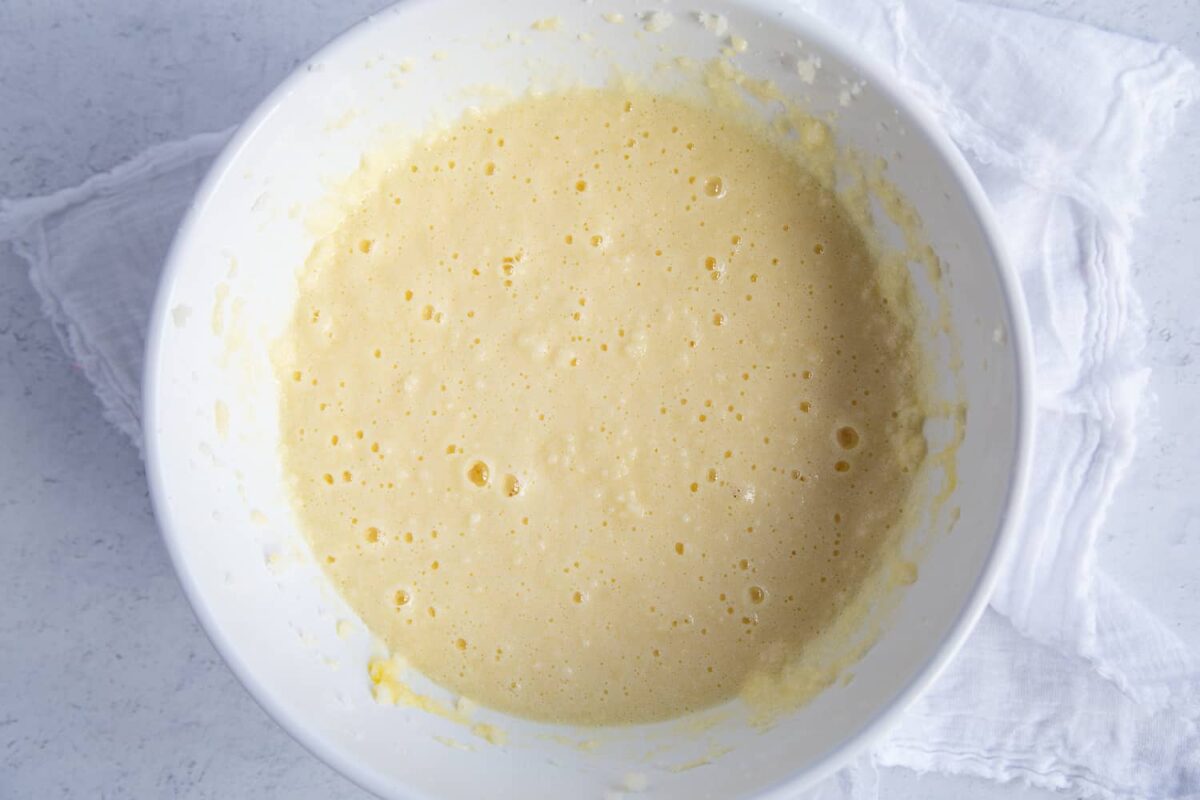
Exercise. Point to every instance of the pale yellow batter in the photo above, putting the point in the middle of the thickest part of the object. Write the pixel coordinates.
(595, 409)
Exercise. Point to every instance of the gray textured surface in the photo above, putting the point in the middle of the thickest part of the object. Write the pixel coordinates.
(108, 688)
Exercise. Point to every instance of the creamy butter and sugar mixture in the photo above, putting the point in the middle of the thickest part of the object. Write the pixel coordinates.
(595, 409)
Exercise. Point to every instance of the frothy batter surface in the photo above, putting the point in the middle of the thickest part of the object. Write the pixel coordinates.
(594, 408)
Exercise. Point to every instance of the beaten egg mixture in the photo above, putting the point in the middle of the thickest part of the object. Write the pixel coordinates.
(594, 407)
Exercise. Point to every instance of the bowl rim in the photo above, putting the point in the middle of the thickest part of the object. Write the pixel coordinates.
(1016, 324)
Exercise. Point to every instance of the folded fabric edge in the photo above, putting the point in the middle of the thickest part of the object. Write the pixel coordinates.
(1160, 89)
(1138, 653)
(21, 226)
(997, 770)
(1115, 377)
(117, 409)
(1118, 377)
(17, 215)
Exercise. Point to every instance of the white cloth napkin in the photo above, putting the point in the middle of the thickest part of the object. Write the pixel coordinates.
(1066, 683)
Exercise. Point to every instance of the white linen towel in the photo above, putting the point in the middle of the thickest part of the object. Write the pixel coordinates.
(1066, 683)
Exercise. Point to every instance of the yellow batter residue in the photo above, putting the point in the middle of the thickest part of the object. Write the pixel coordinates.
(597, 410)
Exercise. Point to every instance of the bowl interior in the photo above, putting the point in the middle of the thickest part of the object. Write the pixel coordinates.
(211, 399)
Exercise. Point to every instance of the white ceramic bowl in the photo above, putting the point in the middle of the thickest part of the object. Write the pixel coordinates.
(211, 419)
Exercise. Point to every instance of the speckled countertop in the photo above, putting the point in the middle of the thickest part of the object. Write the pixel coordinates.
(92, 706)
